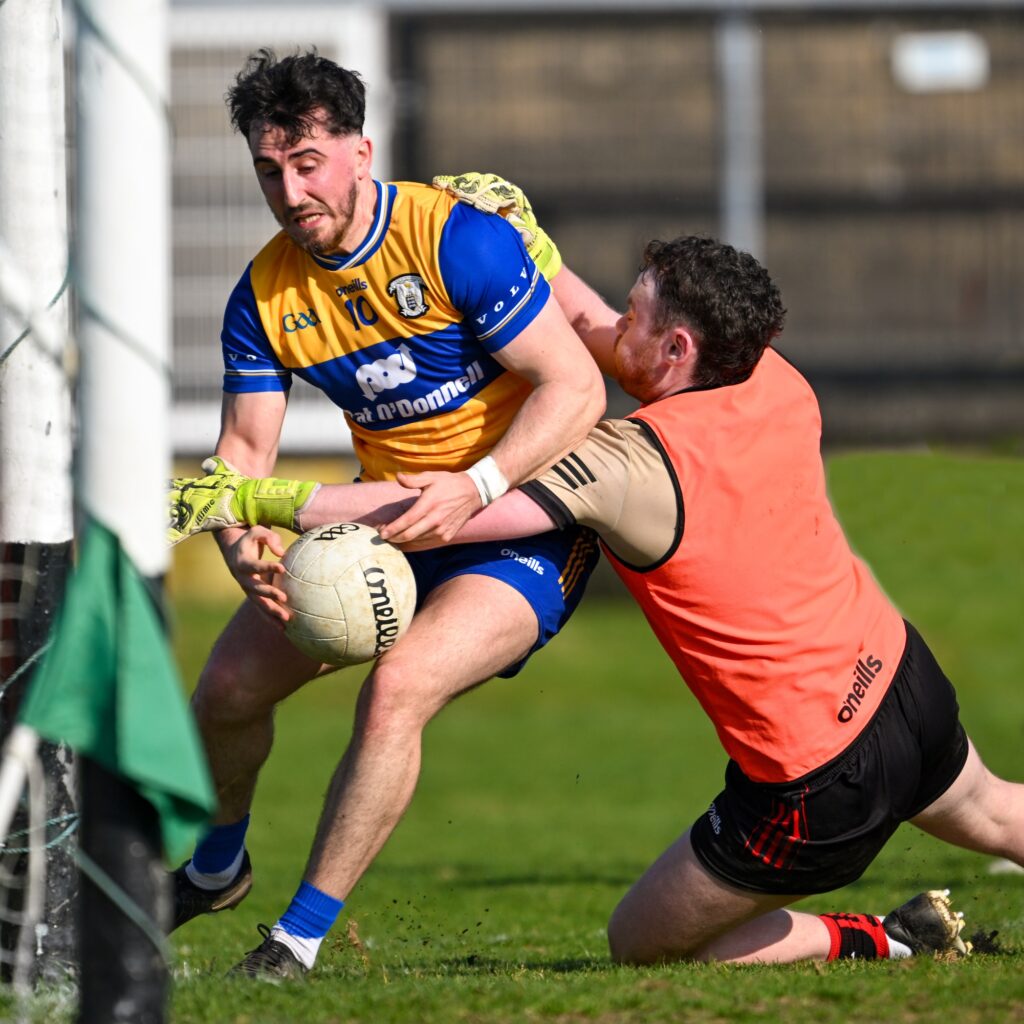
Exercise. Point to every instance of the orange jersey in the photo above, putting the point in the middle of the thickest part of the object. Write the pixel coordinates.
(712, 507)
(400, 334)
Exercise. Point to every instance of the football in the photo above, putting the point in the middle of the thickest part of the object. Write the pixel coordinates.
(352, 594)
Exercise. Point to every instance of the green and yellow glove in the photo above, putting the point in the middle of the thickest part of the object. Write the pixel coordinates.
(225, 497)
(491, 193)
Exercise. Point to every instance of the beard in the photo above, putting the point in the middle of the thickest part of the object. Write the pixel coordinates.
(342, 217)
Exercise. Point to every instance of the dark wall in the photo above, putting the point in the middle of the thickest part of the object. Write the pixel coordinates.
(892, 219)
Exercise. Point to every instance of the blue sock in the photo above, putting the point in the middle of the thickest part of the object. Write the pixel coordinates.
(219, 847)
(311, 913)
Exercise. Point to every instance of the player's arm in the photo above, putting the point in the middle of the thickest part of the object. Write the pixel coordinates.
(255, 397)
(249, 437)
(513, 515)
(618, 481)
(250, 430)
(227, 501)
(568, 397)
(591, 317)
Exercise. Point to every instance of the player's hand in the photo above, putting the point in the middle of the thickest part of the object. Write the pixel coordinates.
(225, 497)
(257, 575)
(203, 503)
(491, 193)
(446, 502)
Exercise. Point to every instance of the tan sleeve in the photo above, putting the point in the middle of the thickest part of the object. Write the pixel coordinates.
(619, 483)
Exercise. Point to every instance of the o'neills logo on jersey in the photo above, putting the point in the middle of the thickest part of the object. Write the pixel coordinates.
(358, 285)
(384, 619)
(864, 675)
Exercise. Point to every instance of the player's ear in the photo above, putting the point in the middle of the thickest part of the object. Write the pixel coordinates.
(681, 346)
(364, 156)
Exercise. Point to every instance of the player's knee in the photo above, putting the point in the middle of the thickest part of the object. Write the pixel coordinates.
(623, 944)
(1001, 820)
(395, 699)
(636, 937)
(621, 947)
(223, 696)
(616, 942)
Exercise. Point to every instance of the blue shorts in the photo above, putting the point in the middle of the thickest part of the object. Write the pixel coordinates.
(550, 570)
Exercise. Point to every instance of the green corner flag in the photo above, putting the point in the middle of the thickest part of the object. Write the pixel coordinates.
(108, 688)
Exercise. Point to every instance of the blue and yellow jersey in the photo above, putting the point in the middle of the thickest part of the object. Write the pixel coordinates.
(400, 334)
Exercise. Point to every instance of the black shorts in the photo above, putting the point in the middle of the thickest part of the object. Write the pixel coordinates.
(820, 832)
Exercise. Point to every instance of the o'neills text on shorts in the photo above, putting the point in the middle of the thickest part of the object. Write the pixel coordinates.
(716, 821)
(864, 675)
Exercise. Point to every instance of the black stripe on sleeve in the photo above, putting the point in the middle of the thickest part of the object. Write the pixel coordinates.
(538, 493)
(574, 472)
(575, 466)
(584, 469)
(560, 469)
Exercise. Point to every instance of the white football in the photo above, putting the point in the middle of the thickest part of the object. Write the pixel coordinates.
(352, 595)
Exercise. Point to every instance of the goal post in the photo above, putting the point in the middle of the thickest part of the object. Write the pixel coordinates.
(122, 281)
(105, 684)
(36, 928)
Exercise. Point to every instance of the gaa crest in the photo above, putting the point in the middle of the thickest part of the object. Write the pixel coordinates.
(408, 291)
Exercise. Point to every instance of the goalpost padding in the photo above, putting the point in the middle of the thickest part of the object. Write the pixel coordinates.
(32, 579)
(124, 975)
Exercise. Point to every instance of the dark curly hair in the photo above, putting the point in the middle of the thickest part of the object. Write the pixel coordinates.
(287, 93)
(723, 295)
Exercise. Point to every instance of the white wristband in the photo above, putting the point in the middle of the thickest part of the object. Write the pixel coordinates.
(489, 479)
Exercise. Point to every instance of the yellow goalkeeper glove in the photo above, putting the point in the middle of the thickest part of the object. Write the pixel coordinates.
(225, 497)
(493, 194)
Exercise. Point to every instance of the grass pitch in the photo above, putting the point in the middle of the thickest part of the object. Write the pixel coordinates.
(543, 797)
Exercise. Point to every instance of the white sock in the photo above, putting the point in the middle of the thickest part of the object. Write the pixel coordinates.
(304, 949)
(897, 950)
(217, 880)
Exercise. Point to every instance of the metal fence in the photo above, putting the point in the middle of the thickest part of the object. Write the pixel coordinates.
(873, 158)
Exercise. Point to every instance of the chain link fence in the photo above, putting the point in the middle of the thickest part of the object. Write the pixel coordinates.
(884, 161)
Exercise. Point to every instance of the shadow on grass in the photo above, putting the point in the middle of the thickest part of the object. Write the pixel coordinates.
(988, 948)
(475, 876)
(474, 964)
(506, 881)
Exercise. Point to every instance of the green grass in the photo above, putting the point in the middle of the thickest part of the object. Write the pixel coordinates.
(543, 797)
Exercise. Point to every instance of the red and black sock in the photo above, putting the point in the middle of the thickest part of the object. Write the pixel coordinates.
(856, 936)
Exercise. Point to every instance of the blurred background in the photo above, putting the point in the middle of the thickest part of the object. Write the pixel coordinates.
(870, 154)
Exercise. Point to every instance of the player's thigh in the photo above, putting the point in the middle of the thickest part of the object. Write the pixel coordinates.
(549, 571)
(974, 811)
(677, 907)
(467, 629)
(254, 662)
